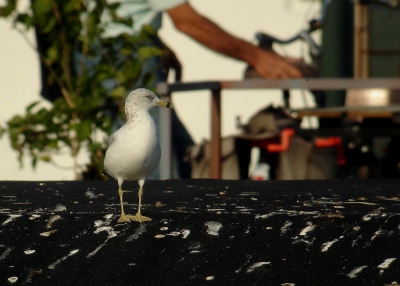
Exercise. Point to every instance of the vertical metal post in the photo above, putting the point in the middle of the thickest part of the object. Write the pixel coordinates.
(361, 63)
(215, 160)
(165, 132)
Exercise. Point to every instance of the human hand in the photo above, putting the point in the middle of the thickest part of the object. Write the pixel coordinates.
(306, 69)
(271, 65)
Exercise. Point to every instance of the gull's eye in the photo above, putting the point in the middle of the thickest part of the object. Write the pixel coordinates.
(148, 96)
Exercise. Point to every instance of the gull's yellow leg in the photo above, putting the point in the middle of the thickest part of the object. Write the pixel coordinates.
(123, 217)
(138, 217)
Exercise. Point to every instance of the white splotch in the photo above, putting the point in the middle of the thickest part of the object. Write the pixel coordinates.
(6, 252)
(256, 265)
(103, 226)
(52, 219)
(29, 251)
(34, 216)
(12, 280)
(326, 245)
(264, 216)
(60, 208)
(307, 229)
(11, 218)
(353, 273)
(141, 229)
(213, 227)
(385, 264)
(48, 233)
(185, 233)
(71, 253)
(90, 194)
(285, 227)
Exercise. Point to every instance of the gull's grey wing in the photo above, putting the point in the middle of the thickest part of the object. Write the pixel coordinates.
(112, 138)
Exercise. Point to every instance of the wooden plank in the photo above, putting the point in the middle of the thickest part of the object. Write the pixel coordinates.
(361, 38)
(351, 112)
(304, 83)
(313, 83)
(215, 160)
(165, 88)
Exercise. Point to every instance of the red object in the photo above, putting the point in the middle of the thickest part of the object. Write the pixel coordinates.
(258, 178)
(333, 141)
(270, 144)
(286, 134)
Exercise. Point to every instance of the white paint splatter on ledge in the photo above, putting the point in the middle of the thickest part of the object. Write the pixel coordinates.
(103, 226)
(174, 233)
(141, 229)
(368, 217)
(29, 251)
(213, 227)
(53, 219)
(285, 227)
(90, 194)
(12, 280)
(385, 264)
(72, 252)
(256, 265)
(356, 271)
(264, 216)
(185, 233)
(11, 218)
(48, 233)
(6, 252)
(60, 208)
(34, 216)
(307, 229)
(326, 245)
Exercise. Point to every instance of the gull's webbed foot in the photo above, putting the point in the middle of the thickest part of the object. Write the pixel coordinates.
(123, 218)
(138, 217)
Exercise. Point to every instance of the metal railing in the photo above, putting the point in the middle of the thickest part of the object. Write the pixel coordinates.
(165, 90)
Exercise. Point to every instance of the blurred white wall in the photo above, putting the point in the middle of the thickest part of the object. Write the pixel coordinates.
(19, 73)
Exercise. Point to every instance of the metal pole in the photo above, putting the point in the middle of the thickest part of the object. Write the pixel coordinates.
(165, 131)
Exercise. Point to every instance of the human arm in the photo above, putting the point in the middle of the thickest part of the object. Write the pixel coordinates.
(171, 61)
(267, 64)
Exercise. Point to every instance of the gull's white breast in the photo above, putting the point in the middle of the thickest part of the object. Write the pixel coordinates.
(135, 152)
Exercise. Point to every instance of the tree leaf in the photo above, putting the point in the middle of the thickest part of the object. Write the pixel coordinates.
(119, 92)
(149, 52)
(84, 129)
(52, 54)
(6, 10)
(31, 106)
(41, 7)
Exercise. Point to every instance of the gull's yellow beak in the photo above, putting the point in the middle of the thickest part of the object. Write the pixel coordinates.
(164, 104)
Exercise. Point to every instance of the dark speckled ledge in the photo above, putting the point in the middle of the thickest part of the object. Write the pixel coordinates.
(204, 232)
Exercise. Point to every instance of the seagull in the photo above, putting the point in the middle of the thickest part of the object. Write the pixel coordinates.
(133, 151)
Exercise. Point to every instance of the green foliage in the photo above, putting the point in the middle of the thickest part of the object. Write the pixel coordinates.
(91, 88)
